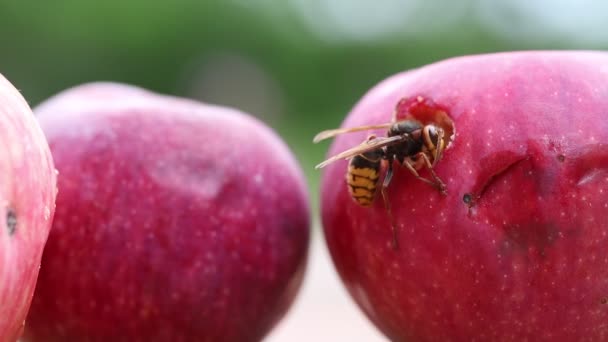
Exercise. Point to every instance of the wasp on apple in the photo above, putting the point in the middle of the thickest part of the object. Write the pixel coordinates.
(409, 142)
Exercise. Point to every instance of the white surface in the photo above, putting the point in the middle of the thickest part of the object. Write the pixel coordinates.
(323, 310)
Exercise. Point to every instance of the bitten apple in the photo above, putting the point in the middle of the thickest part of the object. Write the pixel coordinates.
(518, 248)
(27, 202)
(176, 221)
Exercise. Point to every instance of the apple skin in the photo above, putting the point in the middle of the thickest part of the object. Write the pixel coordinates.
(28, 186)
(176, 221)
(518, 248)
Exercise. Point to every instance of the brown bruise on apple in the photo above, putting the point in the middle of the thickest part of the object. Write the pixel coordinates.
(538, 172)
(535, 172)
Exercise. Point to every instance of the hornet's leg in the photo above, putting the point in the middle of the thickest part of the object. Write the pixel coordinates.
(387, 203)
(436, 184)
(440, 184)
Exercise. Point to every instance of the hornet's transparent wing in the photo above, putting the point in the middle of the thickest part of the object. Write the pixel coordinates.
(366, 146)
(330, 133)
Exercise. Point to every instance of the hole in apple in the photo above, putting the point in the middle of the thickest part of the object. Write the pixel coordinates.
(426, 111)
(468, 199)
(11, 221)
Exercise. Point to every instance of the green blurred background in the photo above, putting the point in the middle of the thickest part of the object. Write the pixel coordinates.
(299, 65)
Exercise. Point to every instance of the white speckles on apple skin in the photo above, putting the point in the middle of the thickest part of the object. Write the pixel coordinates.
(515, 263)
(27, 202)
(172, 197)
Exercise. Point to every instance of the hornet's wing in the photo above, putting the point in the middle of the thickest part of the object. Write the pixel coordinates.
(366, 146)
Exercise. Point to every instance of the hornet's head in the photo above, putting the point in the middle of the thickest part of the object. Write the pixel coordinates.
(434, 143)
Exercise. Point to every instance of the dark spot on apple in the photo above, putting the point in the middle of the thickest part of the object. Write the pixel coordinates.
(521, 185)
(604, 301)
(11, 221)
(532, 238)
(561, 157)
(470, 200)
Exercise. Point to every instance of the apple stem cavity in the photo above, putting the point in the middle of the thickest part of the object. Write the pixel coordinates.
(11, 221)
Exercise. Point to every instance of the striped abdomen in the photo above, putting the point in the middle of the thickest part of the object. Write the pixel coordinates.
(362, 177)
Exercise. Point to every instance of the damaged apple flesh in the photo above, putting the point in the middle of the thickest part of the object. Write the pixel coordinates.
(27, 202)
(518, 248)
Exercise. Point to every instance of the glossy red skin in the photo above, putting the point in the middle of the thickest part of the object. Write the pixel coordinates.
(529, 259)
(28, 187)
(176, 221)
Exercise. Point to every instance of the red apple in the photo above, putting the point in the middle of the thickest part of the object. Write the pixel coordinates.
(27, 201)
(518, 248)
(176, 221)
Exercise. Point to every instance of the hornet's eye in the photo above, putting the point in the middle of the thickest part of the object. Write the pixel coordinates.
(431, 136)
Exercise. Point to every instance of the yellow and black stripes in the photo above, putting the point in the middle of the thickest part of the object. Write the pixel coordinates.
(362, 178)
